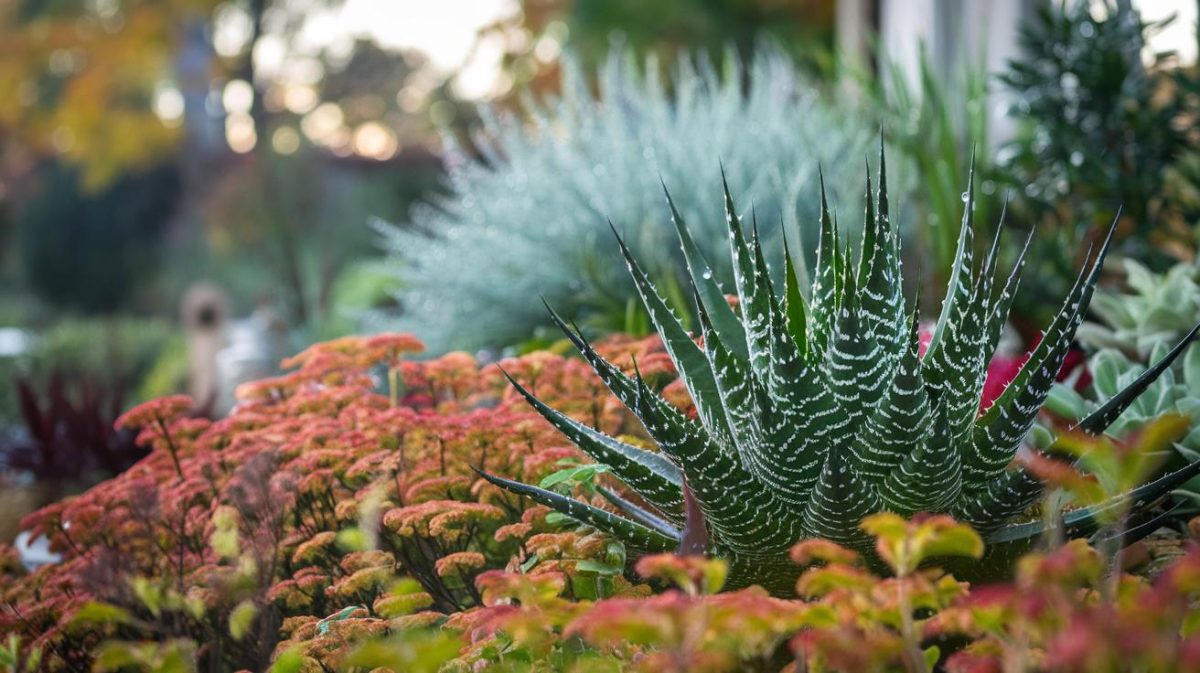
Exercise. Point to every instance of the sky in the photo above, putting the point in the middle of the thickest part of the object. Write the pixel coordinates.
(1180, 36)
(444, 30)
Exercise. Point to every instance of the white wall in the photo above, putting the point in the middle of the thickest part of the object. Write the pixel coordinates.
(952, 31)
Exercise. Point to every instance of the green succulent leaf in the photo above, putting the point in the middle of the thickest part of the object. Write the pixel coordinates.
(959, 292)
(998, 501)
(711, 296)
(735, 504)
(651, 474)
(999, 432)
(855, 367)
(1084, 521)
(839, 503)
(825, 291)
(689, 359)
(640, 514)
(753, 289)
(1099, 420)
(795, 310)
(901, 420)
(930, 478)
(631, 533)
(1002, 303)
(882, 304)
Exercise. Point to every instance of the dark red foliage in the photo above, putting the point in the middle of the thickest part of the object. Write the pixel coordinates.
(69, 423)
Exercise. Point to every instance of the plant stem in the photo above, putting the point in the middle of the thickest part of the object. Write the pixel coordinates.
(912, 648)
(393, 386)
(170, 446)
(914, 658)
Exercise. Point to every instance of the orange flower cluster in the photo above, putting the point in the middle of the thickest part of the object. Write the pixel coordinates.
(335, 521)
(354, 449)
(160, 410)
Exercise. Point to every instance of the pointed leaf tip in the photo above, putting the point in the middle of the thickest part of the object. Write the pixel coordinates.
(882, 165)
(508, 376)
(616, 233)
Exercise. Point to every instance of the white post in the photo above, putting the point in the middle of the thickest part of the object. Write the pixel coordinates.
(855, 21)
(205, 315)
(954, 31)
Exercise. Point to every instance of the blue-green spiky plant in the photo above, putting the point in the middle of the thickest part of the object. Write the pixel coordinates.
(814, 414)
(538, 181)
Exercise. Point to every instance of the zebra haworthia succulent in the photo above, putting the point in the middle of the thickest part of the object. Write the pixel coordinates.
(813, 413)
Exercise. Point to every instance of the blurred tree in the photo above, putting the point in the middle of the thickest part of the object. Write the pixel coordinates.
(96, 95)
(368, 85)
(326, 156)
(81, 79)
(1099, 122)
(85, 249)
(286, 226)
(533, 37)
(674, 26)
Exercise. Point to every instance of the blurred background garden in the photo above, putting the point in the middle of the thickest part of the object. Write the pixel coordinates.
(192, 189)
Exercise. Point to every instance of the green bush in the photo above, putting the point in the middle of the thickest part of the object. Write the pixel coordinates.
(87, 251)
(1100, 130)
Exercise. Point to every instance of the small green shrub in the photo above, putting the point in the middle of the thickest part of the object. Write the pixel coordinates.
(1157, 311)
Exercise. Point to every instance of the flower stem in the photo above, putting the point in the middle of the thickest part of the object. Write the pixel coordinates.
(170, 446)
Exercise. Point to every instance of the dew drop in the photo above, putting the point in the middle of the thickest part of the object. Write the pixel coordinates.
(707, 274)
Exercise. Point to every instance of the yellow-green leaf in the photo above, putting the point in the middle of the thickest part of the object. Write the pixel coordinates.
(149, 594)
(410, 651)
(241, 619)
(94, 612)
(352, 539)
(289, 661)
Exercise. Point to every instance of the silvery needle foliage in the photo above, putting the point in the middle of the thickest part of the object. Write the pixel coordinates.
(812, 414)
(528, 219)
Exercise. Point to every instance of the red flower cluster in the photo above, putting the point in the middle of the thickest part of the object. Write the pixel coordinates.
(161, 410)
(261, 512)
(1056, 617)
